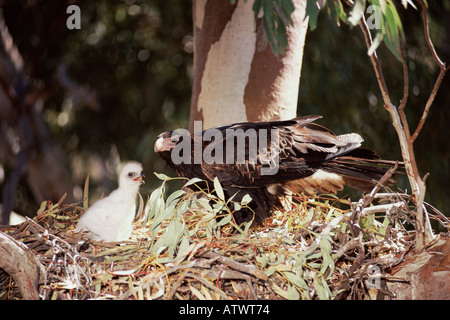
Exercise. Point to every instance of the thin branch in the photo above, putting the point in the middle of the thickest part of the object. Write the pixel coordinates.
(382, 208)
(427, 36)
(399, 121)
(437, 84)
(247, 268)
(374, 59)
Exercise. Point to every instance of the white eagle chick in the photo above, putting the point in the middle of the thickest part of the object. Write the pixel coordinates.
(110, 219)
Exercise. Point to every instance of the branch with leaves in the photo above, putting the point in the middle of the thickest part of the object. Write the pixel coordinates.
(276, 17)
(390, 32)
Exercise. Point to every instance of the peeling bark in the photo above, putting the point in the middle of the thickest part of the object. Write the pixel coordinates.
(236, 75)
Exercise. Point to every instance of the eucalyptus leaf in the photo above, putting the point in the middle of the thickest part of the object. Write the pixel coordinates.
(322, 289)
(152, 206)
(204, 203)
(270, 271)
(246, 200)
(224, 220)
(287, 7)
(296, 279)
(263, 260)
(183, 206)
(164, 260)
(193, 181)
(394, 34)
(312, 11)
(174, 196)
(161, 176)
(183, 248)
(338, 14)
(292, 293)
(218, 189)
(257, 5)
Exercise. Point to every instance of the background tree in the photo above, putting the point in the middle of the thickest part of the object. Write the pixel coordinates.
(241, 74)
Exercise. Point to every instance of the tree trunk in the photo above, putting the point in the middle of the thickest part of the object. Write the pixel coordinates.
(236, 76)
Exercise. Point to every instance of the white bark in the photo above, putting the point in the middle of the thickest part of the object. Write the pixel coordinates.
(236, 76)
(227, 68)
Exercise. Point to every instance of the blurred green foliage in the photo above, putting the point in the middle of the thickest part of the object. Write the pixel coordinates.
(338, 82)
(137, 56)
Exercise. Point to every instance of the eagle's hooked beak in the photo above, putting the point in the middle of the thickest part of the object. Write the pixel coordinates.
(164, 144)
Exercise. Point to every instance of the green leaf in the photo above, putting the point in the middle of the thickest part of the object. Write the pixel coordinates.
(204, 203)
(183, 206)
(160, 213)
(263, 260)
(174, 233)
(174, 196)
(275, 12)
(192, 181)
(267, 6)
(154, 205)
(224, 221)
(183, 248)
(281, 35)
(292, 293)
(257, 5)
(279, 291)
(296, 279)
(336, 10)
(218, 189)
(312, 11)
(163, 260)
(394, 28)
(270, 36)
(161, 176)
(287, 7)
(322, 289)
(247, 226)
(246, 199)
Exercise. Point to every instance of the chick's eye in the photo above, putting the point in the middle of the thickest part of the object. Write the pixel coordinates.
(130, 174)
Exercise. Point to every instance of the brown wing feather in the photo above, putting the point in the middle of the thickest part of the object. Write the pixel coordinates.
(302, 147)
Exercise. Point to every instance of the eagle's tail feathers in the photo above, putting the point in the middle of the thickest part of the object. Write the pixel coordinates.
(361, 173)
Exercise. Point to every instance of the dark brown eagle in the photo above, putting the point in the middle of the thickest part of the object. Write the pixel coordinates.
(268, 160)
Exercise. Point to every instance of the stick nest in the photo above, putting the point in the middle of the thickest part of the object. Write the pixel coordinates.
(187, 246)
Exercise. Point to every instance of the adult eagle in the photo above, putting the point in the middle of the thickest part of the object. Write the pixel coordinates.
(268, 160)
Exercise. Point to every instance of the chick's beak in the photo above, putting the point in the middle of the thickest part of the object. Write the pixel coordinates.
(140, 178)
